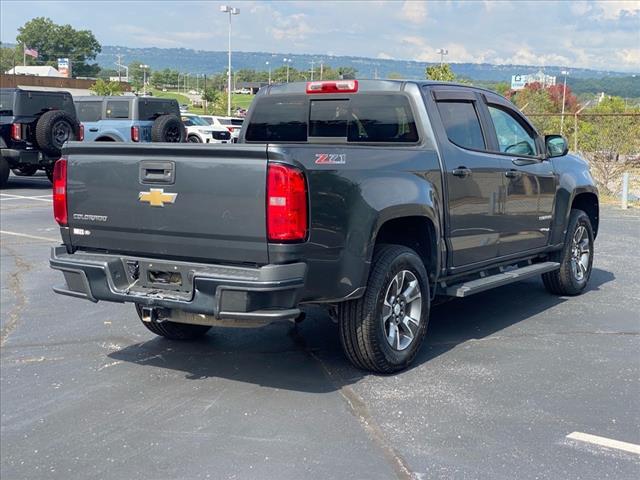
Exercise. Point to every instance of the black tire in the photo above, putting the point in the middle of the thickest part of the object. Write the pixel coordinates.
(363, 332)
(53, 129)
(173, 330)
(25, 170)
(4, 172)
(168, 128)
(567, 279)
(194, 139)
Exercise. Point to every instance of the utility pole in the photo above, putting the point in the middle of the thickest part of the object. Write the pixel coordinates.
(564, 94)
(269, 65)
(321, 68)
(313, 62)
(230, 11)
(119, 62)
(206, 104)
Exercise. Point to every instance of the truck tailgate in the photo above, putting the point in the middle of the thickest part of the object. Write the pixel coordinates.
(186, 201)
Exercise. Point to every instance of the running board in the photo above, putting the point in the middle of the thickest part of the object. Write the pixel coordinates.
(480, 285)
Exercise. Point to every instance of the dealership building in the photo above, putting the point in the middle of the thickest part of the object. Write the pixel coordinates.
(518, 82)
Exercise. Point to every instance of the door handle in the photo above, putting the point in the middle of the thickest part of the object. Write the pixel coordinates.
(523, 162)
(157, 172)
(512, 174)
(93, 129)
(461, 172)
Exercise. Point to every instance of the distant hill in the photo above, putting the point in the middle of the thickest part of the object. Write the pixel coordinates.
(199, 61)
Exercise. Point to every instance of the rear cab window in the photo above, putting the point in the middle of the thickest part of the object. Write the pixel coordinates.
(364, 118)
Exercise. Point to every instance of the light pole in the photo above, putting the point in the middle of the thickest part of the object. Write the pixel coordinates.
(564, 93)
(230, 11)
(144, 78)
(186, 76)
(287, 62)
(269, 67)
(442, 52)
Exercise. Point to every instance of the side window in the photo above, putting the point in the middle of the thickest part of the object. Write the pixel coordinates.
(462, 124)
(117, 109)
(90, 111)
(512, 136)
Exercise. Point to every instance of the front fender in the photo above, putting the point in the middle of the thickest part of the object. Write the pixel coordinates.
(574, 178)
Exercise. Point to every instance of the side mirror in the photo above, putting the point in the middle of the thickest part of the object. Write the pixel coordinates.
(556, 145)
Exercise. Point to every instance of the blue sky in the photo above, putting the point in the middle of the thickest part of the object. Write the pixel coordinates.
(589, 34)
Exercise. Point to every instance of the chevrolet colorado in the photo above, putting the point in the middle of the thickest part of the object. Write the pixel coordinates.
(372, 198)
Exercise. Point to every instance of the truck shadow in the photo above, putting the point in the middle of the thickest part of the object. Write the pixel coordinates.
(39, 181)
(308, 357)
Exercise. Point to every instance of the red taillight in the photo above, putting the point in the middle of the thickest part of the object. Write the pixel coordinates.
(60, 191)
(231, 129)
(286, 204)
(16, 131)
(81, 133)
(337, 86)
(135, 134)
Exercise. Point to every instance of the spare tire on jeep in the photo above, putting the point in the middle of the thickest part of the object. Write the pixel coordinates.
(53, 129)
(168, 128)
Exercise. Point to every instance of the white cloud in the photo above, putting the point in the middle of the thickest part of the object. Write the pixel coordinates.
(291, 27)
(613, 9)
(413, 11)
(629, 56)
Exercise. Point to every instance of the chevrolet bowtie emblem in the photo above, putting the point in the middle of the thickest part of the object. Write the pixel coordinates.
(156, 197)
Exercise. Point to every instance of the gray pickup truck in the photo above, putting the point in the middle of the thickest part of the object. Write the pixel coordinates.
(372, 198)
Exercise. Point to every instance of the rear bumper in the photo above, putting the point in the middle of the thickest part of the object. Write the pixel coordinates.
(267, 293)
(17, 157)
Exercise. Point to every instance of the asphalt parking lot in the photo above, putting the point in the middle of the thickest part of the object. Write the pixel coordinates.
(88, 393)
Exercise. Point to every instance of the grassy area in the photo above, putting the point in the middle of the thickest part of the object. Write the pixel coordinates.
(178, 96)
(237, 100)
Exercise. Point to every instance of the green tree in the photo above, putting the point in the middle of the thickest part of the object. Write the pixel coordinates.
(53, 41)
(347, 73)
(9, 57)
(106, 88)
(442, 73)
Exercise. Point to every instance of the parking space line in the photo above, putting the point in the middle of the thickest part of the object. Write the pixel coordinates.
(25, 235)
(605, 442)
(6, 196)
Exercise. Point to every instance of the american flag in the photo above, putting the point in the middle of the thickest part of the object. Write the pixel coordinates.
(32, 52)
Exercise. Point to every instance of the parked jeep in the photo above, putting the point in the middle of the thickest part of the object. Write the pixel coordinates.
(34, 125)
(130, 119)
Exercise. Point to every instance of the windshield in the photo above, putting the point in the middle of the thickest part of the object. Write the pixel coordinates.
(194, 120)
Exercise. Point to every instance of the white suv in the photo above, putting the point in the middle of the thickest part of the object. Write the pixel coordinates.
(233, 125)
(199, 131)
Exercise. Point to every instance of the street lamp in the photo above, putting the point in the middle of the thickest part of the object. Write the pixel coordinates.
(230, 11)
(564, 93)
(287, 62)
(269, 67)
(144, 78)
(442, 52)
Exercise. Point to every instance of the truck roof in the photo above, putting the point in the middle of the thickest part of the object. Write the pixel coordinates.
(367, 86)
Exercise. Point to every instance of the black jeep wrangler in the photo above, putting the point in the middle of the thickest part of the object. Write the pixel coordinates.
(33, 127)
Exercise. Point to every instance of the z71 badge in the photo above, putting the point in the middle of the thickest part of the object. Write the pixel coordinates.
(331, 158)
